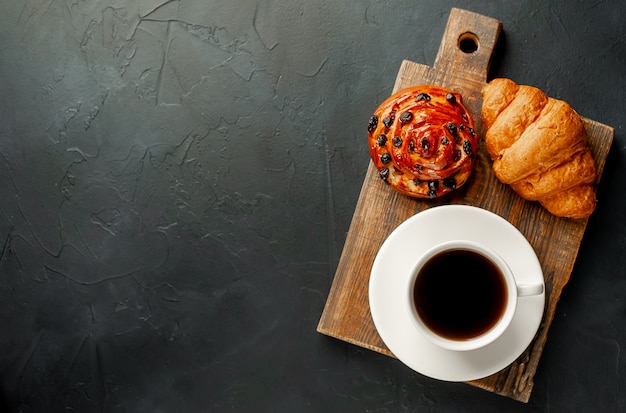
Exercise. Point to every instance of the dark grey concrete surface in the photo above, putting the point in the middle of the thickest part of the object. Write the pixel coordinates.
(176, 183)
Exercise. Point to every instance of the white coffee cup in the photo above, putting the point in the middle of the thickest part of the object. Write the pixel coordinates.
(462, 295)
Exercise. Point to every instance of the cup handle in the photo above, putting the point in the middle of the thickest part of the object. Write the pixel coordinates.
(524, 290)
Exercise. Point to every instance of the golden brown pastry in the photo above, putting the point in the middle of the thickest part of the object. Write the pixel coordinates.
(422, 141)
(539, 146)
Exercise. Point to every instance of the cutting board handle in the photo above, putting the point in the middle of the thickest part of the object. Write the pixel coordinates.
(468, 44)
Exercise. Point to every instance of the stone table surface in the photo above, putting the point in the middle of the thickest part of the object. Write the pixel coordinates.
(177, 178)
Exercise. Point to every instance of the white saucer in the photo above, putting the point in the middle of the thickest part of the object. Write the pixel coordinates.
(392, 268)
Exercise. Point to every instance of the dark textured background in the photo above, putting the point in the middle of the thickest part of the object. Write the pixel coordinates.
(176, 183)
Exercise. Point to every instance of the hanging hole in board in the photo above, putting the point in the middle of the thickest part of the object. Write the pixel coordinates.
(468, 43)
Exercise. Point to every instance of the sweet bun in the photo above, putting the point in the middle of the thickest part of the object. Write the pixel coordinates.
(422, 141)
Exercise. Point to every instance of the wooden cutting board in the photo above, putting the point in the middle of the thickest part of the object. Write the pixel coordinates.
(380, 209)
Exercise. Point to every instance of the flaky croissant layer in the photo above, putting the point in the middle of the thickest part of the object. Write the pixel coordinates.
(539, 146)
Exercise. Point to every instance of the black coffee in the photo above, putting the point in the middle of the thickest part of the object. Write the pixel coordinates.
(460, 294)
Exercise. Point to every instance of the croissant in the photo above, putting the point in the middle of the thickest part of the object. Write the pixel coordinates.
(422, 141)
(539, 147)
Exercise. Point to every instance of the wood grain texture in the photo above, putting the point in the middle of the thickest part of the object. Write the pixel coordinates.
(380, 210)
